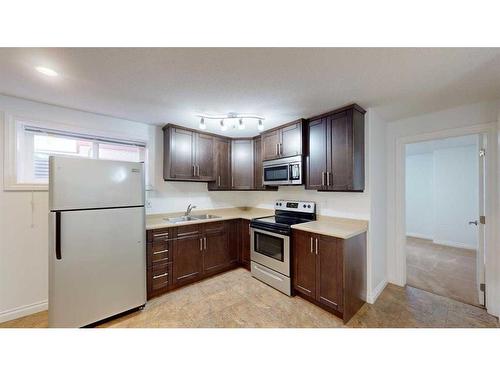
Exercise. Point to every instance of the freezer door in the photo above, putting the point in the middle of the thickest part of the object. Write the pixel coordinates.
(102, 267)
(76, 183)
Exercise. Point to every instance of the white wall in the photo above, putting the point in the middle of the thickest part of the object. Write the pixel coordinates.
(420, 195)
(442, 196)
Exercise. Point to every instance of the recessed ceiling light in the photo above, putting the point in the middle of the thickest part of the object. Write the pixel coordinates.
(46, 71)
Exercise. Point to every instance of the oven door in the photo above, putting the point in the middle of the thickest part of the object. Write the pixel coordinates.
(271, 250)
(276, 174)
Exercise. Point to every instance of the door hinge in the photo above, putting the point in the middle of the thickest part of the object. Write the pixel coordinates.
(482, 219)
(482, 152)
(482, 287)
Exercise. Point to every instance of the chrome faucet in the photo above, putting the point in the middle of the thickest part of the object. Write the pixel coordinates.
(188, 211)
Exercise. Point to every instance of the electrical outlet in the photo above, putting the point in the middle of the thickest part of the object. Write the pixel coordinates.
(148, 204)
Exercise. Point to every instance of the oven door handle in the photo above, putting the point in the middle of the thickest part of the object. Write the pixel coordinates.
(269, 233)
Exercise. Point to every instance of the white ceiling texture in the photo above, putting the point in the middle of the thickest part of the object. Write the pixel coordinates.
(161, 85)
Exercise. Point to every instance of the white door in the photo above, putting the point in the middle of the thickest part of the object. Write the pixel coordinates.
(102, 267)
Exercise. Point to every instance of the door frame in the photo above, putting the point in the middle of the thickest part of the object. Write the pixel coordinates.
(489, 130)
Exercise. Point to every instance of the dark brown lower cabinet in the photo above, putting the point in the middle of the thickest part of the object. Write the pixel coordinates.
(330, 272)
(245, 243)
(181, 255)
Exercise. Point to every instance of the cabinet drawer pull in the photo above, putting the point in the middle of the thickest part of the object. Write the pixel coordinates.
(316, 246)
(323, 179)
(218, 181)
(160, 252)
(160, 235)
(162, 275)
(201, 244)
(205, 242)
(311, 245)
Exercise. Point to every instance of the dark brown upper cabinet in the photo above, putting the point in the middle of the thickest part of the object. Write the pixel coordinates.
(242, 164)
(257, 161)
(222, 164)
(287, 140)
(336, 151)
(188, 155)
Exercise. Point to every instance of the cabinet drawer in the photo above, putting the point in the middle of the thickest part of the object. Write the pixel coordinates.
(188, 230)
(156, 235)
(217, 226)
(160, 252)
(161, 276)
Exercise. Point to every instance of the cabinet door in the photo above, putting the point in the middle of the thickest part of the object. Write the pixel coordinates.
(257, 158)
(181, 154)
(187, 265)
(291, 140)
(304, 258)
(204, 157)
(270, 142)
(329, 272)
(340, 176)
(215, 251)
(245, 243)
(317, 162)
(242, 164)
(222, 158)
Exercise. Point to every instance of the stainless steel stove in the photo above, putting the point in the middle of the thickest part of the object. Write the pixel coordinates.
(270, 242)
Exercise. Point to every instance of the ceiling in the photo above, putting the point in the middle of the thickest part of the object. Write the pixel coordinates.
(439, 144)
(160, 85)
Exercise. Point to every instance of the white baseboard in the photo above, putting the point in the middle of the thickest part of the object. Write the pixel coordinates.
(372, 297)
(455, 244)
(419, 235)
(25, 310)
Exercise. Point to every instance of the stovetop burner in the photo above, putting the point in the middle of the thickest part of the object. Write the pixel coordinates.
(287, 213)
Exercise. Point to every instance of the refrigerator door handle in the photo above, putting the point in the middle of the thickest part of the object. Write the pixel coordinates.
(58, 235)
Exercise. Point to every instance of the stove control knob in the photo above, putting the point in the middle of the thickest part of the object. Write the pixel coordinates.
(304, 206)
(308, 206)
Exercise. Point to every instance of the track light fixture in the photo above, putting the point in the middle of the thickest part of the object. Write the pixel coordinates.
(239, 120)
(202, 124)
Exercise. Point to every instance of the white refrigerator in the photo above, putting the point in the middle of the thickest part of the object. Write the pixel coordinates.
(97, 240)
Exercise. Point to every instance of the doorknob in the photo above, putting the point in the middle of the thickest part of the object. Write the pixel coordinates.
(473, 222)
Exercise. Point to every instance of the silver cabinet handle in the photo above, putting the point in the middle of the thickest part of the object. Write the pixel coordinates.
(323, 179)
(218, 181)
(327, 178)
(232, 181)
(162, 275)
(198, 170)
(205, 241)
(311, 245)
(194, 170)
(316, 246)
(160, 235)
(201, 244)
(160, 252)
(276, 151)
(280, 148)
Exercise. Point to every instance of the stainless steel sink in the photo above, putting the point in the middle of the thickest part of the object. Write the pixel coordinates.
(180, 219)
(205, 217)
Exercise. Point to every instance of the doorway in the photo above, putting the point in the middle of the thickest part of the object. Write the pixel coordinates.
(444, 216)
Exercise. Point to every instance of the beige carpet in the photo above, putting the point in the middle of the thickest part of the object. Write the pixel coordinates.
(443, 270)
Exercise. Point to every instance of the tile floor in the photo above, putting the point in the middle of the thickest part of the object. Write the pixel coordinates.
(235, 299)
(443, 270)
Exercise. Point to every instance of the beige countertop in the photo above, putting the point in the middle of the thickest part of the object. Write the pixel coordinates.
(157, 221)
(334, 226)
(327, 225)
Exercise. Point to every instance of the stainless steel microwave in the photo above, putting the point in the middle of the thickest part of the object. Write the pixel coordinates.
(285, 171)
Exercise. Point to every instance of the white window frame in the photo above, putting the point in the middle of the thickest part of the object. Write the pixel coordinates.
(12, 127)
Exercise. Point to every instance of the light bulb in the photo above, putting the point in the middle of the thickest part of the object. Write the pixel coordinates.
(223, 126)
(241, 125)
(47, 71)
(202, 124)
(261, 125)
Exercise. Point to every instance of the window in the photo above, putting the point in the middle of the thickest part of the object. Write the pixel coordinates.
(34, 144)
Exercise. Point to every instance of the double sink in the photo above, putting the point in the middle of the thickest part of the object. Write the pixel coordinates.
(180, 219)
